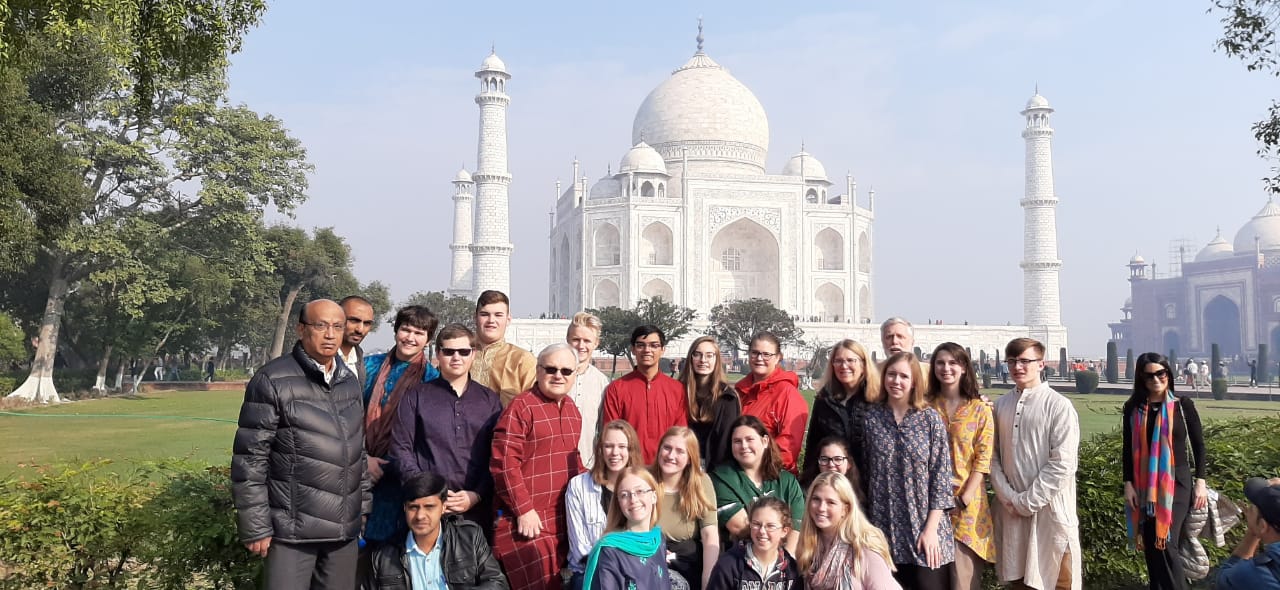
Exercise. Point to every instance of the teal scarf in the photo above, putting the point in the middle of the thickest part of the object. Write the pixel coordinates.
(641, 545)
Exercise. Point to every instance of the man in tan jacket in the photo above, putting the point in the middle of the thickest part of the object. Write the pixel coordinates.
(500, 366)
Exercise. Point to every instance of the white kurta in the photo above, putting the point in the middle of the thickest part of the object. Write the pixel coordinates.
(1034, 468)
(588, 393)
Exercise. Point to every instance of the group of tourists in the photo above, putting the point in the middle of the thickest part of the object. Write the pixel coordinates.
(479, 465)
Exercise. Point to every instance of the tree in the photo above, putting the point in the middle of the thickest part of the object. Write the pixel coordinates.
(1249, 34)
(615, 339)
(735, 322)
(192, 163)
(450, 309)
(11, 349)
(302, 261)
(674, 320)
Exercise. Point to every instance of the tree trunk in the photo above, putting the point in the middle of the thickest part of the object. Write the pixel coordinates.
(124, 364)
(100, 382)
(282, 322)
(39, 384)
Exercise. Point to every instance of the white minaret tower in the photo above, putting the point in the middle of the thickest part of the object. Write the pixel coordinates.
(1042, 309)
(491, 249)
(460, 284)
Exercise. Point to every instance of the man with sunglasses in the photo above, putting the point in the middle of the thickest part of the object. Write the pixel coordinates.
(646, 398)
(445, 426)
(535, 454)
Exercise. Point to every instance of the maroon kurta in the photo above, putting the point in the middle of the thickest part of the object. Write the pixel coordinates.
(535, 454)
(651, 407)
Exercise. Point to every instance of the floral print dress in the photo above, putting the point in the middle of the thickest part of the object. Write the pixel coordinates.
(909, 474)
(972, 432)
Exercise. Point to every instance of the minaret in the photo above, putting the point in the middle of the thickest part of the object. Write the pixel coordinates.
(460, 284)
(491, 250)
(1040, 264)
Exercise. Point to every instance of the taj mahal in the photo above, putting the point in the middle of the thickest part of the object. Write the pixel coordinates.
(692, 215)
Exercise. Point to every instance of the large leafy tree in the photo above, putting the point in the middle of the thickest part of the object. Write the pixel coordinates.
(674, 320)
(1249, 34)
(302, 262)
(615, 339)
(735, 322)
(449, 309)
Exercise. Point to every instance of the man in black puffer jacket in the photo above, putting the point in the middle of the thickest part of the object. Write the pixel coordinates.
(449, 550)
(298, 470)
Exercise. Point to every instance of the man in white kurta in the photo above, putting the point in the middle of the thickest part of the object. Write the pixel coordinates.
(1034, 476)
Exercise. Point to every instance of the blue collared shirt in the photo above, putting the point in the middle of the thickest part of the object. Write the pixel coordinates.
(425, 570)
(1252, 574)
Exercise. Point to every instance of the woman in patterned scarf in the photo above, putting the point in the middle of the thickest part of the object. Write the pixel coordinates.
(839, 548)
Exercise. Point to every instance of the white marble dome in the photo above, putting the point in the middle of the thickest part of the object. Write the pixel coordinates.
(1265, 226)
(705, 109)
(642, 158)
(462, 176)
(805, 161)
(1037, 102)
(493, 64)
(1137, 259)
(1216, 249)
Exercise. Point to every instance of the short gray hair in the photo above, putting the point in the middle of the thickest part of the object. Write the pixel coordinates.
(897, 320)
(557, 347)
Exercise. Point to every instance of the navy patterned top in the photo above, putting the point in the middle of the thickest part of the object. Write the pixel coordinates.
(909, 474)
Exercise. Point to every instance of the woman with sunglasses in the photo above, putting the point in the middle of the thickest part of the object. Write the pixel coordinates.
(713, 402)
(632, 555)
(688, 505)
(772, 394)
(590, 493)
(839, 548)
(1158, 487)
(953, 391)
(761, 561)
(845, 392)
(755, 472)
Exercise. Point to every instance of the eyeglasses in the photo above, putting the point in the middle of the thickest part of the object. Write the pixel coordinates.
(832, 460)
(770, 528)
(760, 354)
(1020, 362)
(323, 328)
(634, 495)
(1161, 374)
(565, 371)
(704, 356)
(648, 345)
(457, 351)
(853, 361)
(360, 322)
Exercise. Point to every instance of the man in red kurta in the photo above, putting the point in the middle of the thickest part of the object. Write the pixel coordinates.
(647, 399)
(535, 454)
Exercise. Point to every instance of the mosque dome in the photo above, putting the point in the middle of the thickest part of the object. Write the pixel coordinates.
(1265, 227)
(1216, 249)
(1037, 102)
(643, 158)
(493, 64)
(707, 111)
(1137, 259)
(462, 176)
(804, 161)
(606, 188)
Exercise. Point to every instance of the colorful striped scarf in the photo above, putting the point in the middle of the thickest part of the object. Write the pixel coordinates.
(1153, 472)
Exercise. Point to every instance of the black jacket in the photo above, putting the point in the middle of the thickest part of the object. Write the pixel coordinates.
(733, 572)
(465, 559)
(713, 437)
(830, 418)
(298, 469)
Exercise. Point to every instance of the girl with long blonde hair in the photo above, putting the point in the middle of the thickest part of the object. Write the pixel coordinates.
(839, 548)
(617, 449)
(687, 499)
(850, 384)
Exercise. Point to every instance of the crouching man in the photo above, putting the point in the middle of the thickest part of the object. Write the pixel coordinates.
(439, 552)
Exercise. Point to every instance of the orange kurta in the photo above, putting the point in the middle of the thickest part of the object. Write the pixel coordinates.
(971, 432)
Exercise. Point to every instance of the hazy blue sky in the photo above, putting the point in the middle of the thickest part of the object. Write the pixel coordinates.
(919, 99)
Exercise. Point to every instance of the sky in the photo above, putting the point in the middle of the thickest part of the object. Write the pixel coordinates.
(919, 100)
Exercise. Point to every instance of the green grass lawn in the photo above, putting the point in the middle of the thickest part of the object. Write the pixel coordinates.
(200, 426)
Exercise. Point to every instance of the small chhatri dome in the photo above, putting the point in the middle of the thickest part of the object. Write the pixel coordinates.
(1263, 229)
(1137, 259)
(1216, 249)
(1037, 102)
(493, 64)
(642, 158)
(805, 162)
(462, 176)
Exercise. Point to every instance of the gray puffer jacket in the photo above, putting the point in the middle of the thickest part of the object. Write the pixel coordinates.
(298, 470)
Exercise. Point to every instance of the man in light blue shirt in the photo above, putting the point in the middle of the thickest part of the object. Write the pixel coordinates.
(435, 539)
(1243, 569)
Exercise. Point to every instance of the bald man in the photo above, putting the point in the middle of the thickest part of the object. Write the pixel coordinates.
(298, 472)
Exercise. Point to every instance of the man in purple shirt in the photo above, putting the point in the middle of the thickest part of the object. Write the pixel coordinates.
(445, 426)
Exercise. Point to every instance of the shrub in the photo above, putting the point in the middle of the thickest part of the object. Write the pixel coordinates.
(1113, 375)
(1086, 381)
(1219, 388)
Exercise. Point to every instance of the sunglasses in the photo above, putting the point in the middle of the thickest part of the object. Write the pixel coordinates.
(453, 351)
(564, 371)
(1161, 374)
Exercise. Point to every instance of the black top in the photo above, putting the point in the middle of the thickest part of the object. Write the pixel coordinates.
(1186, 427)
(846, 420)
(713, 436)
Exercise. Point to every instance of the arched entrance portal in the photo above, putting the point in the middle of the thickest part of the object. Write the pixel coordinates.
(1222, 326)
(1171, 343)
(744, 263)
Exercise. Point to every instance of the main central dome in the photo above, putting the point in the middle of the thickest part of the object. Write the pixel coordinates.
(703, 113)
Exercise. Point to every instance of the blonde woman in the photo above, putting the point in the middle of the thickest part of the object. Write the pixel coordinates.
(588, 493)
(849, 385)
(688, 504)
(839, 548)
(713, 402)
(630, 555)
(588, 389)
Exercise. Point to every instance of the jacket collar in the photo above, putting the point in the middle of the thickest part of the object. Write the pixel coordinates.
(312, 369)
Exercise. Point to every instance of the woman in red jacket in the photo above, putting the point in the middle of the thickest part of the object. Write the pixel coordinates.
(771, 394)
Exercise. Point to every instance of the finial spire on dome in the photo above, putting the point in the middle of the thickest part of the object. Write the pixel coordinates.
(700, 38)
